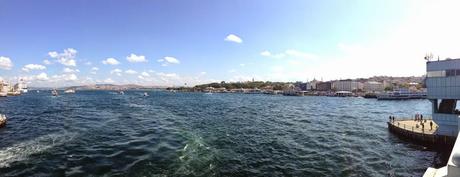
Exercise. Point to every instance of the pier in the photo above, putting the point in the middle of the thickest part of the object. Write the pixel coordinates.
(412, 130)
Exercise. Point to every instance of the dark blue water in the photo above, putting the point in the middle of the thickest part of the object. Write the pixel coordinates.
(101, 133)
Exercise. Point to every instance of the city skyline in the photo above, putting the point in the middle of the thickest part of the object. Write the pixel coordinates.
(55, 43)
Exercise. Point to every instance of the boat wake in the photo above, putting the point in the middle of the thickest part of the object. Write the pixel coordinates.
(197, 159)
(21, 151)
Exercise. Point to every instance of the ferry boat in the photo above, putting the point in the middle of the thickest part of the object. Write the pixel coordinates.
(21, 86)
(69, 91)
(401, 94)
(146, 94)
(2, 120)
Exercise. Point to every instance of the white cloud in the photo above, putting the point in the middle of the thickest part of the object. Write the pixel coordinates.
(47, 62)
(203, 73)
(133, 58)
(42, 77)
(70, 77)
(66, 58)
(95, 68)
(265, 53)
(69, 70)
(110, 61)
(168, 60)
(116, 72)
(88, 63)
(170, 75)
(130, 71)
(64, 77)
(109, 80)
(5, 63)
(145, 74)
(233, 38)
(29, 67)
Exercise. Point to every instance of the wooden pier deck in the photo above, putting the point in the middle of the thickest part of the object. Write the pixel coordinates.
(416, 126)
(412, 130)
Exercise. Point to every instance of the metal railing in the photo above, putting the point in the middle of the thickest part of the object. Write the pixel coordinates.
(417, 128)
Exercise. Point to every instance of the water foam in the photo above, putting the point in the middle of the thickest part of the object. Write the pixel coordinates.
(21, 151)
(196, 158)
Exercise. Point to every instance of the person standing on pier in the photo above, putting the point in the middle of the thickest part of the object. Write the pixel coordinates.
(431, 125)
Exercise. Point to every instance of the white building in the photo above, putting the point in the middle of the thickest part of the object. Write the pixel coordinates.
(312, 84)
(373, 86)
(443, 90)
(347, 85)
(22, 85)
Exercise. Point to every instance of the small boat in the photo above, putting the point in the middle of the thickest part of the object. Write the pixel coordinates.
(3, 94)
(146, 94)
(121, 92)
(38, 91)
(55, 92)
(370, 95)
(69, 91)
(2, 120)
(14, 93)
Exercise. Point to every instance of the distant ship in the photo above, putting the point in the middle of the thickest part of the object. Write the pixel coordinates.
(146, 94)
(401, 94)
(21, 86)
(121, 92)
(69, 91)
(55, 92)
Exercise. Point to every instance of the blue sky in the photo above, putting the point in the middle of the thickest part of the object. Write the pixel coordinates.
(177, 42)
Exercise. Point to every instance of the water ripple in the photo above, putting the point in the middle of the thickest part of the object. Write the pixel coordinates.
(191, 134)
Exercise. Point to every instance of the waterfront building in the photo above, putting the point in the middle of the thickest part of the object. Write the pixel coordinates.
(347, 85)
(301, 85)
(443, 90)
(373, 86)
(3, 88)
(312, 84)
(324, 86)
